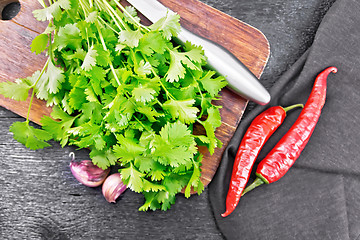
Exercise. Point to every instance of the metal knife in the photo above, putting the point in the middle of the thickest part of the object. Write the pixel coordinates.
(240, 78)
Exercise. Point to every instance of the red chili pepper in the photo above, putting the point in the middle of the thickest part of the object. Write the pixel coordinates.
(259, 131)
(280, 159)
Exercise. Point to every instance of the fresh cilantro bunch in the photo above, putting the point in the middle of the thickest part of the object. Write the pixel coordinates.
(125, 91)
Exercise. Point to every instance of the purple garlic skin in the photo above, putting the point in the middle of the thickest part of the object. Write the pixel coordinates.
(113, 187)
(88, 174)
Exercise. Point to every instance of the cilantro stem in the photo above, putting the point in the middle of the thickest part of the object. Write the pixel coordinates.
(130, 16)
(87, 38)
(41, 73)
(100, 6)
(50, 50)
(71, 16)
(143, 125)
(42, 3)
(30, 103)
(33, 89)
(86, 12)
(200, 92)
(110, 64)
(91, 3)
(134, 58)
(83, 8)
(168, 94)
(113, 14)
(108, 25)
(157, 100)
(105, 48)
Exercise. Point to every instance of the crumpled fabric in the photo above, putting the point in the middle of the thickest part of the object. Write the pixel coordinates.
(319, 197)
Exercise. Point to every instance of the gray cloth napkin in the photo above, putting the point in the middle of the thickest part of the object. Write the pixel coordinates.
(319, 198)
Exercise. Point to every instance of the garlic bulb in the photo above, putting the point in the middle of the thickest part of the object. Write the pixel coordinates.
(113, 187)
(87, 173)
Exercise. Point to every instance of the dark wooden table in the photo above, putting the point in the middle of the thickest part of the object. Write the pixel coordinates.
(40, 199)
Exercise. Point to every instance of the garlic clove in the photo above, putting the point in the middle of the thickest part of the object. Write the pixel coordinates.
(113, 187)
(88, 174)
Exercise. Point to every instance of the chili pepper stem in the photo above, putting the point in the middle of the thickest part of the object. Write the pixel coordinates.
(258, 181)
(286, 109)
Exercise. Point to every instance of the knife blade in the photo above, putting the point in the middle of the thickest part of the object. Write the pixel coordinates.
(240, 79)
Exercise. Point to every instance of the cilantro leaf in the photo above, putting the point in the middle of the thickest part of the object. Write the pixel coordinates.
(51, 80)
(90, 94)
(182, 110)
(97, 77)
(91, 18)
(127, 150)
(103, 58)
(18, 90)
(39, 43)
(169, 25)
(68, 36)
(213, 85)
(210, 124)
(145, 164)
(103, 159)
(214, 117)
(150, 113)
(153, 187)
(150, 202)
(132, 11)
(175, 145)
(53, 11)
(143, 69)
(29, 136)
(176, 69)
(152, 42)
(58, 129)
(92, 111)
(130, 38)
(65, 104)
(194, 53)
(195, 181)
(143, 94)
(77, 98)
(132, 178)
(90, 135)
(90, 59)
(174, 183)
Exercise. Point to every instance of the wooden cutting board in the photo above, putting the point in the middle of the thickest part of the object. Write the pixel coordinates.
(245, 42)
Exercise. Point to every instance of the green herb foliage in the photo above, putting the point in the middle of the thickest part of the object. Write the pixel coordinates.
(126, 92)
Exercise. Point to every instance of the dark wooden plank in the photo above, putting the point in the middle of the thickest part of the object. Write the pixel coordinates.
(4, 113)
(40, 199)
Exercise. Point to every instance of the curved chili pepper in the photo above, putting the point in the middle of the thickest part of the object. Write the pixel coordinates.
(280, 159)
(259, 131)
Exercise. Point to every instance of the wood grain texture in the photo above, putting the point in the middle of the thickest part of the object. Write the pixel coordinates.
(40, 199)
(247, 43)
(17, 60)
(244, 41)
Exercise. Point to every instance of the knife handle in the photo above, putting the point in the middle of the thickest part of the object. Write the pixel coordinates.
(240, 78)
